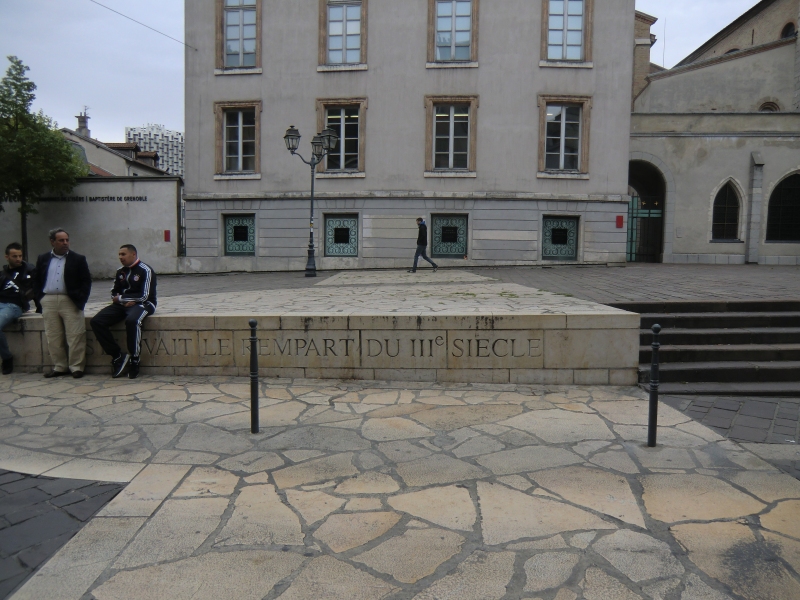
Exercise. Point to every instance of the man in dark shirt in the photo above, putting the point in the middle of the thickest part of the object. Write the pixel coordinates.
(133, 299)
(16, 291)
(422, 244)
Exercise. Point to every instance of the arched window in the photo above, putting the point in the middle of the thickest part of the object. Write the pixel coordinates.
(725, 224)
(788, 31)
(783, 222)
(732, 50)
(769, 107)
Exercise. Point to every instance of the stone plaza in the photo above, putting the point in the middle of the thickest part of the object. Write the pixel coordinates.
(418, 490)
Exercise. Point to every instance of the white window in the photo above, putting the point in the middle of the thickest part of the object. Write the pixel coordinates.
(563, 144)
(240, 140)
(240, 33)
(451, 136)
(344, 33)
(565, 34)
(345, 122)
(453, 30)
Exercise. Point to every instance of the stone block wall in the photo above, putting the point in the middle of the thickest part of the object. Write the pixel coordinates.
(585, 348)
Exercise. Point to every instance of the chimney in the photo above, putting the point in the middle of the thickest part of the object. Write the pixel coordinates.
(83, 125)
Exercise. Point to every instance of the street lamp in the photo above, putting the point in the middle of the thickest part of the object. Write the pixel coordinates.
(321, 145)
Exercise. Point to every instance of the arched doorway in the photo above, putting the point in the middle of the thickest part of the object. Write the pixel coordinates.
(648, 192)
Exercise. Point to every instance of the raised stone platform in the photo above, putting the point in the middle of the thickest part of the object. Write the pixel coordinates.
(451, 327)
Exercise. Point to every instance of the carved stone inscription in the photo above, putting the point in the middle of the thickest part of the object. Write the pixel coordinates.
(339, 349)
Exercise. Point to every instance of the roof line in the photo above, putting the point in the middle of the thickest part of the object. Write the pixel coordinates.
(679, 69)
(722, 34)
(104, 147)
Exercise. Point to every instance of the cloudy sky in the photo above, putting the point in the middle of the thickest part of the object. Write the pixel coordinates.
(81, 54)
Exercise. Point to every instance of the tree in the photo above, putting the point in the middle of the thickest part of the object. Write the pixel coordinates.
(34, 156)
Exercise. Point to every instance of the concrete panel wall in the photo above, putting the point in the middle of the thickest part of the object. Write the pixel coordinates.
(100, 215)
(502, 231)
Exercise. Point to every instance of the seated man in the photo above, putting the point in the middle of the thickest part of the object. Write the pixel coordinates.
(16, 291)
(133, 298)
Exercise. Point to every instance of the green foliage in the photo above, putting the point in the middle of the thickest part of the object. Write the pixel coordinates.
(35, 158)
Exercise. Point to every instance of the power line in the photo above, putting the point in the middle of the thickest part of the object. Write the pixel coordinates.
(143, 25)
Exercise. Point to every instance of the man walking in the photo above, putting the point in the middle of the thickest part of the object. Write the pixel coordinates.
(133, 299)
(422, 244)
(62, 285)
(16, 291)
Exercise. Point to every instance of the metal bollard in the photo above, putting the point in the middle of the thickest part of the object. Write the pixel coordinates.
(652, 426)
(253, 377)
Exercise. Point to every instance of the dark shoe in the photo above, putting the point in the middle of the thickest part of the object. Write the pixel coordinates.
(55, 373)
(435, 268)
(133, 370)
(8, 366)
(77, 374)
(411, 271)
(118, 365)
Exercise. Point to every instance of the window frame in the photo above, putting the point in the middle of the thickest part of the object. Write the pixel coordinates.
(239, 215)
(220, 109)
(732, 189)
(777, 221)
(585, 104)
(221, 40)
(588, 29)
(323, 104)
(341, 215)
(323, 35)
(430, 139)
(474, 38)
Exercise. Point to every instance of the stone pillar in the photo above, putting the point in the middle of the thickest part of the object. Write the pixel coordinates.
(756, 203)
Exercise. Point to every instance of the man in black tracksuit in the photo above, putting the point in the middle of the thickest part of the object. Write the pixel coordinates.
(133, 298)
(422, 244)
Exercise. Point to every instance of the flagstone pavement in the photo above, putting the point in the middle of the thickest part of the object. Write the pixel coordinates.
(367, 491)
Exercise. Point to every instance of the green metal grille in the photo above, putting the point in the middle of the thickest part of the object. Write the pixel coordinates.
(449, 236)
(240, 235)
(560, 238)
(341, 235)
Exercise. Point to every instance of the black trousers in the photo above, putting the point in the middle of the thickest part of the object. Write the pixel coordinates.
(133, 316)
(421, 253)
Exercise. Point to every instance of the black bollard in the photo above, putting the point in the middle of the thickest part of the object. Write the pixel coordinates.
(652, 426)
(253, 377)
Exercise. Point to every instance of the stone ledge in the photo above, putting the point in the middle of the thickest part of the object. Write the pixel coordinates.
(580, 347)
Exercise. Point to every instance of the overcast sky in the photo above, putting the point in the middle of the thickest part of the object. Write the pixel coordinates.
(81, 54)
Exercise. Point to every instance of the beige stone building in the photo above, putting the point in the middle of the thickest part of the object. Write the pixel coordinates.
(504, 123)
(715, 145)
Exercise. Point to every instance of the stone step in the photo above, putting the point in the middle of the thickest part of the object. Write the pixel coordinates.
(729, 320)
(699, 337)
(783, 389)
(713, 306)
(725, 353)
(727, 372)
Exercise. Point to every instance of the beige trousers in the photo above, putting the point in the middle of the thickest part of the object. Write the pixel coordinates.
(65, 327)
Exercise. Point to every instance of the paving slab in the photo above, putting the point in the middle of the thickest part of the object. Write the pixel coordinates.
(490, 493)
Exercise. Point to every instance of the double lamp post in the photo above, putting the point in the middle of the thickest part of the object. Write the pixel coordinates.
(321, 145)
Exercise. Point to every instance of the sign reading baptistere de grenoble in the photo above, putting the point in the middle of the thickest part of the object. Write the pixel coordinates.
(598, 348)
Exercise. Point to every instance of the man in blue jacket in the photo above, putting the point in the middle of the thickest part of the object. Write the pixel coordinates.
(133, 299)
(62, 286)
